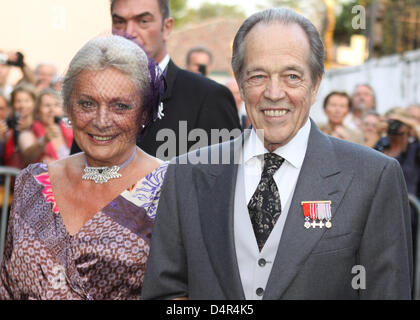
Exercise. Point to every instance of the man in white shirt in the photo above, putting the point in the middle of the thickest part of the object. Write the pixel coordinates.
(293, 214)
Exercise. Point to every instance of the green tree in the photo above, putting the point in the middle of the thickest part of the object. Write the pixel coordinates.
(208, 11)
(343, 23)
(178, 10)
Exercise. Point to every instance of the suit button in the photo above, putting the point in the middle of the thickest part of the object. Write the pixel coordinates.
(259, 292)
(262, 262)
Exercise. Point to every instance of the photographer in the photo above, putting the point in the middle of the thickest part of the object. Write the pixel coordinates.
(23, 103)
(50, 138)
(402, 143)
(198, 60)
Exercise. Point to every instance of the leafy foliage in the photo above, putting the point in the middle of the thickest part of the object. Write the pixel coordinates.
(205, 12)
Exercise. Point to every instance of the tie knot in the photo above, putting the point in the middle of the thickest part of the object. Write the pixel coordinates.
(272, 163)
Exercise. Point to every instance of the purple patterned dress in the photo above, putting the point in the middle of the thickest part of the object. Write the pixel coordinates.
(105, 259)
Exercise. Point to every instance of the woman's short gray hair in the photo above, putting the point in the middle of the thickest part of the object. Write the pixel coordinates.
(105, 52)
(284, 16)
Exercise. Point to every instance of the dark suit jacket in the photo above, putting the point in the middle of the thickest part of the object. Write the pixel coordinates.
(189, 97)
(193, 252)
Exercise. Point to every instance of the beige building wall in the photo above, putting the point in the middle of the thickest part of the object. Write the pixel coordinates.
(51, 30)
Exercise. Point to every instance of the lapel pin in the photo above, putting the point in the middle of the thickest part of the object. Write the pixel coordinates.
(317, 211)
(160, 111)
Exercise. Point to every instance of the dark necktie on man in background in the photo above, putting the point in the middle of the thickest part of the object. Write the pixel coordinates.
(265, 206)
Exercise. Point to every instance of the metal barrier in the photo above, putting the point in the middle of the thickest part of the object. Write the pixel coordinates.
(416, 254)
(8, 173)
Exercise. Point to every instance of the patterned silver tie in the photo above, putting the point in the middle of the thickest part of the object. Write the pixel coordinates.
(265, 206)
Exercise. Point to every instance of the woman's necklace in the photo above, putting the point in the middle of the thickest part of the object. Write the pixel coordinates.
(103, 174)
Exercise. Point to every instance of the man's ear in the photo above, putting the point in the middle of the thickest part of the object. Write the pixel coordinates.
(315, 88)
(168, 24)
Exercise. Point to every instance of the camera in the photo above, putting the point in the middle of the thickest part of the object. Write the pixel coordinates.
(12, 121)
(394, 127)
(19, 62)
(202, 68)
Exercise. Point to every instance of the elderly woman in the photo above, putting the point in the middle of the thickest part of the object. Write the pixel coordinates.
(50, 138)
(80, 227)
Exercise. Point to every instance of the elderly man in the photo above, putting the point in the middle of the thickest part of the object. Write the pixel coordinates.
(44, 73)
(300, 215)
(190, 101)
(363, 100)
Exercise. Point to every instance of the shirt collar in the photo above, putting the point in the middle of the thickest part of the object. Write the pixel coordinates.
(164, 63)
(293, 152)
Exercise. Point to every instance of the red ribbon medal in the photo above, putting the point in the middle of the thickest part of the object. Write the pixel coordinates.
(317, 210)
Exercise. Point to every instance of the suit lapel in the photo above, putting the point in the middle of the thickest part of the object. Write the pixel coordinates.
(320, 179)
(170, 77)
(215, 185)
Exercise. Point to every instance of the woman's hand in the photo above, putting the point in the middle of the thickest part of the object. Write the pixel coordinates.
(24, 123)
(52, 131)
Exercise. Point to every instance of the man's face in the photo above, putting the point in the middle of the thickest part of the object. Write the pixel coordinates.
(363, 99)
(276, 81)
(142, 20)
(197, 59)
(45, 74)
(336, 109)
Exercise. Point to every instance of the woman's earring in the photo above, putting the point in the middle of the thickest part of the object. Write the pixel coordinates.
(69, 122)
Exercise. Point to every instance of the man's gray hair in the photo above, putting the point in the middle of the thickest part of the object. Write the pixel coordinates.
(106, 52)
(164, 8)
(284, 16)
(44, 63)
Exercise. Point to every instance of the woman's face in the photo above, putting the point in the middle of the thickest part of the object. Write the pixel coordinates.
(23, 103)
(336, 109)
(47, 109)
(105, 112)
(370, 125)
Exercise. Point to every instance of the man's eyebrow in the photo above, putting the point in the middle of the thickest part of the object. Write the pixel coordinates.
(139, 16)
(256, 69)
(286, 68)
(294, 67)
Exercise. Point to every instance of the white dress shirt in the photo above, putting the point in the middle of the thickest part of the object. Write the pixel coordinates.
(255, 266)
(164, 63)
